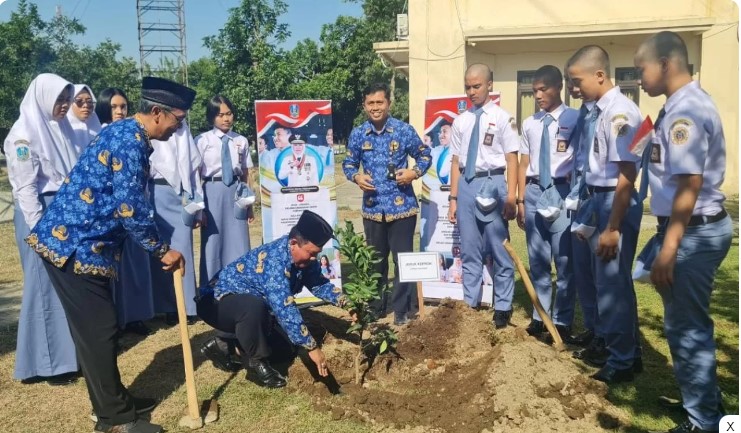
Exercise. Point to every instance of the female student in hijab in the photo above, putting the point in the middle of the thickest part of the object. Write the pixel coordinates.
(112, 105)
(223, 237)
(82, 117)
(134, 304)
(40, 155)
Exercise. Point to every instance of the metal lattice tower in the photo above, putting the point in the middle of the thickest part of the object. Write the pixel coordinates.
(162, 30)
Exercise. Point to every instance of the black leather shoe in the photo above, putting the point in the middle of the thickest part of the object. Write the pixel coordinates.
(611, 375)
(171, 319)
(563, 331)
(63, 379)
(192, 320)
(138, 328)
(595, 354)
(141, 406)
(685, 427)
(136, 426)
(221, 360)
(260, 372)
(501, 318)
(583, 339)
(535, 328)
(401, 319)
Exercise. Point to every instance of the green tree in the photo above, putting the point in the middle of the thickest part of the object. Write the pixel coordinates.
(249, 64)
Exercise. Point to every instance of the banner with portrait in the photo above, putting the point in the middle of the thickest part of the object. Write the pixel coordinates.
(298, 175)
(437, 233)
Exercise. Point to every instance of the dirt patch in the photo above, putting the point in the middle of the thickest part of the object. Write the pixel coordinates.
(455, 373)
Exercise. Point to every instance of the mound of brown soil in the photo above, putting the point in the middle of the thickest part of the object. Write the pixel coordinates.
(455, 373)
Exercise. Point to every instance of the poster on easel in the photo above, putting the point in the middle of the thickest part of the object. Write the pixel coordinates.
(436, 232)
(297, 171)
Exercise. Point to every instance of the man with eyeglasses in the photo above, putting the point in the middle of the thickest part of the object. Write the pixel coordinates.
(80, 236)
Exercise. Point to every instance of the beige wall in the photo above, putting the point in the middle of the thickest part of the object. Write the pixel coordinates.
(526, 34)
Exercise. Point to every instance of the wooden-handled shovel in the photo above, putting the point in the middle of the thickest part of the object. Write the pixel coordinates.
(557, 342)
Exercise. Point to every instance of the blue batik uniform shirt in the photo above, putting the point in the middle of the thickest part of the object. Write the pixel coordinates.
(100, 203)
(268, 272)
(375, 150)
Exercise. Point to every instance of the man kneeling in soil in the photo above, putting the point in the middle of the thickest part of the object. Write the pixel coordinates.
(241, 298)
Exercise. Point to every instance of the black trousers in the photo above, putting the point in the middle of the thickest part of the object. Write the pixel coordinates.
(247, 316)
(397, 237)
(91, 315)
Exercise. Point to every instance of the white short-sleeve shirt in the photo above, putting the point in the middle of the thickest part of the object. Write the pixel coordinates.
(618, 122)
(562, 155)
(209, 144)
(689, 140)
(505, 140)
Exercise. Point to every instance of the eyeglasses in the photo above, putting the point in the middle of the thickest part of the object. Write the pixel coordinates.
(178, 120)
(81, 102)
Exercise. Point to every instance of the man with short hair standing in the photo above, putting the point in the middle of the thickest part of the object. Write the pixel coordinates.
(383, 145)
(484, 143)
(80, 237)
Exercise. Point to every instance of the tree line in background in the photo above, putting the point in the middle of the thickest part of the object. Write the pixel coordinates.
(245, 62)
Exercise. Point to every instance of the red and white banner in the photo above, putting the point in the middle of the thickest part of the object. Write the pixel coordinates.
(297, 176)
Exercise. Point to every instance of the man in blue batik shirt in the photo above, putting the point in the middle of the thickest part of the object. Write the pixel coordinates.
(241, 297)
(80, 237)
(382, 145)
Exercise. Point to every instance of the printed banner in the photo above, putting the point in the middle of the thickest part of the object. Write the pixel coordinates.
(437, 233)
(300, 176)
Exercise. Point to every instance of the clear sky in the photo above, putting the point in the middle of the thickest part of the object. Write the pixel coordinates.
(116, 19)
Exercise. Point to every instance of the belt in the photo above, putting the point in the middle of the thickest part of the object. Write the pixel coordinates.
(160, 181)
(48, 194)
(213, 179)
(492, 172)
(698, 220)
(593, 189)
(555, 180)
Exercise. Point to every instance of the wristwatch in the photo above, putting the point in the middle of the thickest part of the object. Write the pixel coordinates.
(161, 251)
(452, 197)
(417, 171)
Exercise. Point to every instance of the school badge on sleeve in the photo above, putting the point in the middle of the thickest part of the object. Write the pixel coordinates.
(22, 151)
(680, 131)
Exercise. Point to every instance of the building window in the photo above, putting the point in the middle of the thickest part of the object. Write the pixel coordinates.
(526, 105)
(627, 79)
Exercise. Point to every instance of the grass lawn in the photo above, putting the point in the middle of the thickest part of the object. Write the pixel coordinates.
(153, 367)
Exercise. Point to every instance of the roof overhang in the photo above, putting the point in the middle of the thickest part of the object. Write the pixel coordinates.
(395, 54)
(697, 25)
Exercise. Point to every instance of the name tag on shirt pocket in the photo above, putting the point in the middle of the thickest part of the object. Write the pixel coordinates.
(561, 146)
(655, 152)
(489, 136)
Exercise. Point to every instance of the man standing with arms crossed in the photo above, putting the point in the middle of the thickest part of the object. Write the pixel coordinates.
(484, 142)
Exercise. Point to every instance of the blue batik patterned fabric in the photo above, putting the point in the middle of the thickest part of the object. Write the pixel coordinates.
(101, 201)
(268, 272)
(375, 151)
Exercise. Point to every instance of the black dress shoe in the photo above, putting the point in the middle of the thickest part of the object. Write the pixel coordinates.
(221, 360)
(192, 320)
(501, 318)
(401, 319)
(611, 375)
(563, 331)
(583, 339)
(260, 372)
(595, 354)
(63, 379)
(138, 328)
(141, 406)
(136, 426)
(535, 328)
(685, 427)
(171, 319)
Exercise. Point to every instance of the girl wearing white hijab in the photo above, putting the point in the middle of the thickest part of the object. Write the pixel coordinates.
(82, 117)
(40, 155)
